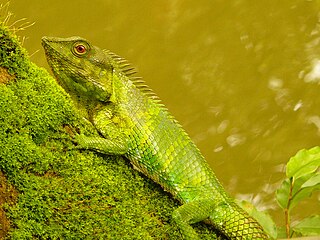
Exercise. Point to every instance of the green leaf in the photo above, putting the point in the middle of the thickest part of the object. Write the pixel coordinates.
(304, 162)
(309, 226)
(298, 192)
(314, 181)
(281, 232)
(300, 195)
(282, 193)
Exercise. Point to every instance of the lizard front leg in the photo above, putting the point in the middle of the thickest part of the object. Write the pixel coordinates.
(114, 129)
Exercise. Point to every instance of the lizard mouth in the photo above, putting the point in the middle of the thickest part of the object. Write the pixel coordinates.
(46, 43)
(51, 53)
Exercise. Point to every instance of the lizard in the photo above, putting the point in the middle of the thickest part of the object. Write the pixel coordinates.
(132, 122)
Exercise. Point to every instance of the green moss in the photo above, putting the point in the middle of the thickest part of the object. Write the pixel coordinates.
(64, 192)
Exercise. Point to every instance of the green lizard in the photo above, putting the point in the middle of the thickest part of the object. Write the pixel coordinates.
(132, 122)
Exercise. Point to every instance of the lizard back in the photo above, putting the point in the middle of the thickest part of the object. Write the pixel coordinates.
(162, 150)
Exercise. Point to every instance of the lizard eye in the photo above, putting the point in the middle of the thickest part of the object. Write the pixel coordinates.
(80, 49)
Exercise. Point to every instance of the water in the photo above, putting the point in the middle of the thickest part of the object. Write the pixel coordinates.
(242, 77)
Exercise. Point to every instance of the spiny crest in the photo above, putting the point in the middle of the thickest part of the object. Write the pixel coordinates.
(126, 68)
(129, 71)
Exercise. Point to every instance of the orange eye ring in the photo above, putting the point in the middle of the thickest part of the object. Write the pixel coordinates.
(80, 49)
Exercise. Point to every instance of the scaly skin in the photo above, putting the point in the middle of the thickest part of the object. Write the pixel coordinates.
(133, 123)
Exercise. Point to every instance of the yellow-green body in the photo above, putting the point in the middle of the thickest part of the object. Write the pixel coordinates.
(132, 122)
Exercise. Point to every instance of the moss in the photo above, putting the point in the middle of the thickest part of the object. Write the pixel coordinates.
(64, 192)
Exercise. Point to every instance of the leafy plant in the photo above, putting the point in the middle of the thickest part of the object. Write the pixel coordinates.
(303, 178)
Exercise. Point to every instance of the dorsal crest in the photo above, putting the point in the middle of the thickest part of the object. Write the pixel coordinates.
(126, 68)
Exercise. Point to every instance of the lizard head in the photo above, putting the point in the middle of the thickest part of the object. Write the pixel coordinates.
(83, 70)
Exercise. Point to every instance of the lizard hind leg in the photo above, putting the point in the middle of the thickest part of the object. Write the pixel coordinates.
(192, 212)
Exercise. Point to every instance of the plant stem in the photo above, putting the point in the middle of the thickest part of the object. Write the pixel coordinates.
(287, 219)
(287, 211)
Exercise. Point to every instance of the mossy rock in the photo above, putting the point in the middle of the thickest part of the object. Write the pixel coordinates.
(51, 189)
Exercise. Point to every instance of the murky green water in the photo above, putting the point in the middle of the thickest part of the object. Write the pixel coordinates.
(242, 76)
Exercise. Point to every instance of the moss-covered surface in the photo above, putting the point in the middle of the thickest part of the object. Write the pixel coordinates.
(52, 190)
